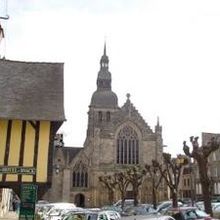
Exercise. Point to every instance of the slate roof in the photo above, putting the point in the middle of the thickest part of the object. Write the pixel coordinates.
(71, 152)
(31, 90)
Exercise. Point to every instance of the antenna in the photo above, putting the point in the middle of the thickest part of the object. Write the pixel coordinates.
(2, 32)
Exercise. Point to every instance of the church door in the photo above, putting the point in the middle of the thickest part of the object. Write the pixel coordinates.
(80, 200)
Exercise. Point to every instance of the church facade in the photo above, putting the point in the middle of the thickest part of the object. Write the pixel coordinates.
(116, 136)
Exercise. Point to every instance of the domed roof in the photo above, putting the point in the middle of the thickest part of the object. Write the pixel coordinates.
(104, 99)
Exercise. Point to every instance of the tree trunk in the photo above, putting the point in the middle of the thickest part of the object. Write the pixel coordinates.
(135, 191)
(111, 196)
(207, 198)
(205, 183)
(174, 198)
(122, 201)
(154, 198)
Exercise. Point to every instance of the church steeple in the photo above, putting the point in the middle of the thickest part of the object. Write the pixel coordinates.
(104, 96)
(104, 60)
(104, 76)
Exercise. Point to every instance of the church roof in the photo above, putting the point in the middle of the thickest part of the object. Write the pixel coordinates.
(104, 99)
(31, 90)
(129, 109)
(71, 152)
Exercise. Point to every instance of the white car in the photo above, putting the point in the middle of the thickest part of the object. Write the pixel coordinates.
(109, 215)
(93, 215)
(127, 202)
(56, 209)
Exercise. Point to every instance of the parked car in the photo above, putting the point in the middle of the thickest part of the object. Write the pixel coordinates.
(54, 209)
(42, 210)
(150, 217)
(127, 202)
(162, 217)
(141, 209)
(188, 213)
(112, 208)
(165, 205)
(80, 215)
(216, 211)
(93, 215)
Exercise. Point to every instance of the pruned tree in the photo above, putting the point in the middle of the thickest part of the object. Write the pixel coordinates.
(201, 154)
(135, 175)
(122, 183)
(110, 183)
(155, 177)
(171, 170)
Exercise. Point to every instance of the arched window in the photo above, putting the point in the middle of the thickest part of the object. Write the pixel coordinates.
(127, 146)
(80, 176)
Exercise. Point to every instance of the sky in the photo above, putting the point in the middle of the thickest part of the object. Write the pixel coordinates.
(165, 53)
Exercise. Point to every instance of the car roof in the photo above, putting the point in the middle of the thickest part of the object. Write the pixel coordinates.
(182, 208)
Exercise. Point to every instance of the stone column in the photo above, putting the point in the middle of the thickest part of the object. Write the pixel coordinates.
(66, 185)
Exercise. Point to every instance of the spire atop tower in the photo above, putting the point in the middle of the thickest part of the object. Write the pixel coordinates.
(158, 121)
(158, 127)
(104, 59)
(104, 49)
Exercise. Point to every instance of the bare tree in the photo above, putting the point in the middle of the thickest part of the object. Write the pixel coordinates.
(171, 172)
(155, 178)
(135, 176)
(201, 154)
(131, 175)
(110, 183)
(122, 182)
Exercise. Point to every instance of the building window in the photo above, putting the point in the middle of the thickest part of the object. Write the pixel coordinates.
(108, 116)
(127, 146)
(80, 176)
(100, 116)
(188, 182)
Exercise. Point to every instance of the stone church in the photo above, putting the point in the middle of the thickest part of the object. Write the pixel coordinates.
(116, 136)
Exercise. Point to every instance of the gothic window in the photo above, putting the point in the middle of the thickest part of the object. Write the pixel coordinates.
(80, 176)
(108, 116)
(100, 116)
(127, 146)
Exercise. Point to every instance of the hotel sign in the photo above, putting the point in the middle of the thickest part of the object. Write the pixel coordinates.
(17, 170)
